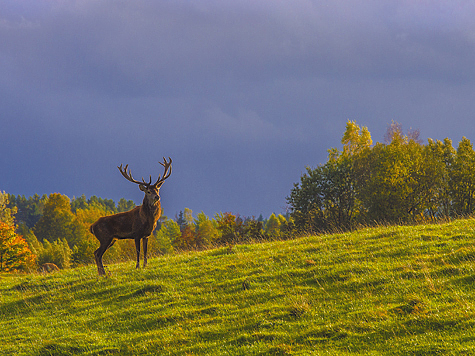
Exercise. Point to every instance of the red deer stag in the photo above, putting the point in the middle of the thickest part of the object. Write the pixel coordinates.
(137, 223)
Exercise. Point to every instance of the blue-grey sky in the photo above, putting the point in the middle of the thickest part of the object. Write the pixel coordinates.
(241, 94)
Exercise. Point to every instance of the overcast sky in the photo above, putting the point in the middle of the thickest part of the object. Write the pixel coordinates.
(241, 94)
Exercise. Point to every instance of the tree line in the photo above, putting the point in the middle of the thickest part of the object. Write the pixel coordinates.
(55, 229)
(399, 181)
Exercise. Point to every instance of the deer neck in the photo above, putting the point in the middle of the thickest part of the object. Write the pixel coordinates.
(150, 208)
(149, 215)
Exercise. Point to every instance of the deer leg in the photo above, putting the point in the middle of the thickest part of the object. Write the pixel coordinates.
(145, 246)
(137, 247)
(99, 253)
(98, 257)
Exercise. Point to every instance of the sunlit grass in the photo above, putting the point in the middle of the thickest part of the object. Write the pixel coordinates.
(387, 290)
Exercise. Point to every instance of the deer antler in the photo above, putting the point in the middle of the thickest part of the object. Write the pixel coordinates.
(166, 173)
(127, 175)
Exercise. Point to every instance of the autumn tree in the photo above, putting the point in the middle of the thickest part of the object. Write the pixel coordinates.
(14, 252)
(404, 180)
(327, 196)
(401, 180)
(229, 227)
(188, 240)
(58, 222)
(206, 229)
(167, 235)
(272, 227)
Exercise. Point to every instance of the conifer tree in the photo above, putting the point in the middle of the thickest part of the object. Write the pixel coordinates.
(6, 213)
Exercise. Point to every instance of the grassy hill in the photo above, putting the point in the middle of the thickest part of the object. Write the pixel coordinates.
(378, 291)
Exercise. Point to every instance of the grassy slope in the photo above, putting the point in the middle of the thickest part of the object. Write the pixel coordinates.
(388, 290)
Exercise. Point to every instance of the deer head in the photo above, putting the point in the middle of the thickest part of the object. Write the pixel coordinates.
(151, 190)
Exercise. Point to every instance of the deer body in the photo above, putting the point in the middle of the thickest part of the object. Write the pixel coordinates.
(137, 224)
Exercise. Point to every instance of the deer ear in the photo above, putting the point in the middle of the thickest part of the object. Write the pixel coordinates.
(142, 187)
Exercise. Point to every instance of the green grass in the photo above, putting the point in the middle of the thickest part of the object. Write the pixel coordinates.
(376, 291)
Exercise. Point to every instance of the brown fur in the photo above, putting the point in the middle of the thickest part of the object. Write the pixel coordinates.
(137, 224)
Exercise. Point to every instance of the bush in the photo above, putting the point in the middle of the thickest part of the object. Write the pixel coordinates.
(57, 252)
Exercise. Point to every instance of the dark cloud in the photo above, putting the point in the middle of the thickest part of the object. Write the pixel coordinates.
(241, 94)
